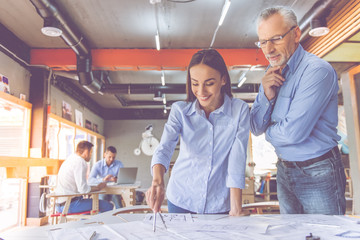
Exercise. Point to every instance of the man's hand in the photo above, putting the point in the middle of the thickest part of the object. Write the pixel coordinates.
(109, 178)
(272, 80)
(98, 187)
(101, 185)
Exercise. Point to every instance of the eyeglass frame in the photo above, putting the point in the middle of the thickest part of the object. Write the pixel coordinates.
(274, 39)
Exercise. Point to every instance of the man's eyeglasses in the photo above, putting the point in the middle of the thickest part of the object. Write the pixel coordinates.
(274, 40)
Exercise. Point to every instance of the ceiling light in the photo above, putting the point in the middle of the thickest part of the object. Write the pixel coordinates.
(242, 79)
(318, 27)
(51, 28)
(224, 11)
(162, 78)
(164, 98)
(158, 96)
(157, 41)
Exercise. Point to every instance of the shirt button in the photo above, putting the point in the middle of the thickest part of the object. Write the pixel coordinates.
(264, 120)
(210, 128)
(267, 104)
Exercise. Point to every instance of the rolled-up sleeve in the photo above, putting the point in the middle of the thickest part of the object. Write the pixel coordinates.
(237, 155)
(169, 139)
(260, 114)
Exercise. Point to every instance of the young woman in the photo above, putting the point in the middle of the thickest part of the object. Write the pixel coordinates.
(209, 172)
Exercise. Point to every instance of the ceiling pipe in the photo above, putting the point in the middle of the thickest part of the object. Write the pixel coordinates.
(167, 89)
(319, 9)
(74, 39)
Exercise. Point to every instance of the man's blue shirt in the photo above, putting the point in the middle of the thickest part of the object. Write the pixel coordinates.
(301, 122)
(101, 170)
(212, 156)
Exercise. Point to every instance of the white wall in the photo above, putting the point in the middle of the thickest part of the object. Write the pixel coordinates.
(125, 135)
(19, 77)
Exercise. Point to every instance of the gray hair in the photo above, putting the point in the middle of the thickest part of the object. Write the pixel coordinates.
(287, 13)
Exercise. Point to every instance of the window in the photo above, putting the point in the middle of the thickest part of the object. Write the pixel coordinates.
(14, 142)
(64, 135)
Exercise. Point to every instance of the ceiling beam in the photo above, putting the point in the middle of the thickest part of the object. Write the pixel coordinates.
(342, 25)
(141, 59)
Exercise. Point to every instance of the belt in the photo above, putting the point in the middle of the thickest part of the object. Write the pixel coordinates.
(307, 163)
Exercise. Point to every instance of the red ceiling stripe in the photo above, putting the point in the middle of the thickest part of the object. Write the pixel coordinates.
(141, 59)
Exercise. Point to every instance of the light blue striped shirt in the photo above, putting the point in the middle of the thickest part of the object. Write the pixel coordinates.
(101, 170)
(301, 122)
(212, 155)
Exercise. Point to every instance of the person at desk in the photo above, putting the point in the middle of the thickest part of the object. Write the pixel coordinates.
(106, 170)
(296, 108)
(72, 179)
(214, 127)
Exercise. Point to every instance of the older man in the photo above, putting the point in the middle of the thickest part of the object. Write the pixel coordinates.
(296, 108)
(72, 179)
(106, 170)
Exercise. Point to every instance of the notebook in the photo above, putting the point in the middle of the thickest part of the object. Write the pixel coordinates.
(127, 175)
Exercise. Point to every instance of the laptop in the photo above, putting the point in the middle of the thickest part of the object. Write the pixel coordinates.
(127, 175)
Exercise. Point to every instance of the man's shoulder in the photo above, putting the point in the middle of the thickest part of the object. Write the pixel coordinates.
(118, 162)
(314, 62)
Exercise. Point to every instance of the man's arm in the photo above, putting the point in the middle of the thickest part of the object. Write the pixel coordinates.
(312, 96)
(261, 110)
(94, 173)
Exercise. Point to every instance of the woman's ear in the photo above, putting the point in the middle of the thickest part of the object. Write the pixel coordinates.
(223, 81)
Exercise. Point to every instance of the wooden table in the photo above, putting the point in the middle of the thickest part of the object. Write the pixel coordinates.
(127, 192)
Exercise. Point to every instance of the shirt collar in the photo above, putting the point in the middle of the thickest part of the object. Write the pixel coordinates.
(225, 107)
(294, 60)
(105, 165)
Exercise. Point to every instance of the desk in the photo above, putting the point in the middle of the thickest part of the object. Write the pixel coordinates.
(127, 191)
(293, 227)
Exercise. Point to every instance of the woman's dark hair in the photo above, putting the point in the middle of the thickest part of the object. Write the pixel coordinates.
(213, 59)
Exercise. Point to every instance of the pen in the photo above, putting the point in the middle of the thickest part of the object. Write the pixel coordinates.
(154, 222)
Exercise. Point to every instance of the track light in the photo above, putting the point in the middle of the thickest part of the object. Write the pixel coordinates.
(224, 11)
(242, 79)
(158, 96)
(157, 41)
(51, 27)
(164, 99)
(162, 78)
(318, 27)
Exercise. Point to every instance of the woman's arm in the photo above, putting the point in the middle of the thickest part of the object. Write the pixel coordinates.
(236, 203)
(156, 193)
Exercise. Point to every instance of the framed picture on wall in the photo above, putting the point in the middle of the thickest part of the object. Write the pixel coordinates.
(88, 124)
(4, 84)
(79, 118)
(95, 128)
(66, 111)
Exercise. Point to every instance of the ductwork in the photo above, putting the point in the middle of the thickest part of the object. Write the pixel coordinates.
(74, 39)
(319, 9)
(167, 89)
